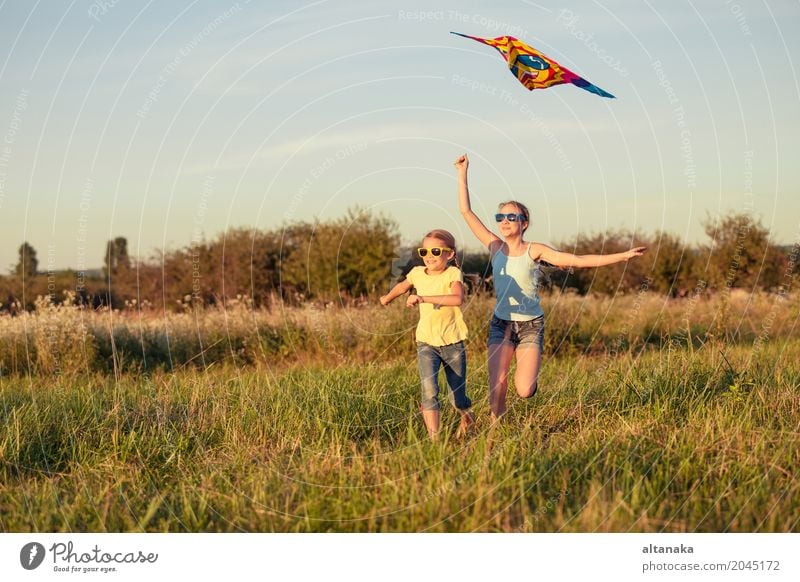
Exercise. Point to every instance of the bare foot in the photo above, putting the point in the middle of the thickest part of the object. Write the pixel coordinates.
(467, 420)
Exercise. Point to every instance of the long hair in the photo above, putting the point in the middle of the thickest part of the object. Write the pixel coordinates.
(521, 208)
(448, 239)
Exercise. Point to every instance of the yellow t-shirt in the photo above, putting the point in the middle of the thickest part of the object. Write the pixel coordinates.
(438, 325)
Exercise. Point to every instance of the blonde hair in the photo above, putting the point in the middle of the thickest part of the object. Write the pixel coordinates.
(448, 239)
(521, 208)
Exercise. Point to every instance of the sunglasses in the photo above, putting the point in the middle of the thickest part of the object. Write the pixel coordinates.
(435, 251)
(510, 217)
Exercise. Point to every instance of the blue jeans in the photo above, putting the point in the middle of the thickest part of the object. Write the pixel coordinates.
(454, 359)
(517, 333)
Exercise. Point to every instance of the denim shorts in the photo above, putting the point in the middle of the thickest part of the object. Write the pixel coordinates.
(454, 359)
(517, 333)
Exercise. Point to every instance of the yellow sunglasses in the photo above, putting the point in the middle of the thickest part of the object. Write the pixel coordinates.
(435, 251)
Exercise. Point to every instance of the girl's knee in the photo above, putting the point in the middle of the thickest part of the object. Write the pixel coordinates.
(528, 391)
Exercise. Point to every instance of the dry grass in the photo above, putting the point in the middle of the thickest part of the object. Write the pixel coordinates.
(57, 339)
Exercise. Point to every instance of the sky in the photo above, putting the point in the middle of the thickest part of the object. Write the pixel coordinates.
(167, 123)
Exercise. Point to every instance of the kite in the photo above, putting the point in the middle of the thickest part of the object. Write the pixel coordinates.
(532, 68)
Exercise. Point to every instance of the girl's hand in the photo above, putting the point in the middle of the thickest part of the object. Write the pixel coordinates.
(462, 163)
(385, 300)
(635, 252)
(413, 300)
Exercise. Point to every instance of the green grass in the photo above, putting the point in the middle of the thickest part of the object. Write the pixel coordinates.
(680, 439)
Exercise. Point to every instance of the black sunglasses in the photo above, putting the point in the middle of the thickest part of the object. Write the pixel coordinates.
(510, 217)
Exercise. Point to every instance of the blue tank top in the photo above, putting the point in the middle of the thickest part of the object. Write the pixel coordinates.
(516, 280)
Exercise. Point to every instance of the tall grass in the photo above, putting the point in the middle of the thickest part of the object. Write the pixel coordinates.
(64, 339)
(679, 439)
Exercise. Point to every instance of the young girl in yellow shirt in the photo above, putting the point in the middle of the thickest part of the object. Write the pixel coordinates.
(441, 331)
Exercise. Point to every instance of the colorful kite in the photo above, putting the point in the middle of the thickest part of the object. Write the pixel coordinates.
(532, 68)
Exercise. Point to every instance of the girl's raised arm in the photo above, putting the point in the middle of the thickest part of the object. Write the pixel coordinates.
(483, 234)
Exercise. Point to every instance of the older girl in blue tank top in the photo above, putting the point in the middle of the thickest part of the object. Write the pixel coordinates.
(517, 326)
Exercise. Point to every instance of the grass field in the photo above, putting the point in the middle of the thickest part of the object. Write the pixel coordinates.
(652, 416)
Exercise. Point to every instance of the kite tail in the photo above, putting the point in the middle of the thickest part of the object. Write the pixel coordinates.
(467, 36)
(591, 88)
(479, 39)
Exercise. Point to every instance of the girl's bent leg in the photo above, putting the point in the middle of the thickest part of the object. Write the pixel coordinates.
(500, 355)
(526, 378)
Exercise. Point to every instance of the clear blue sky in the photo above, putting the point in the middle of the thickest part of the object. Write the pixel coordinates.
(166, 121)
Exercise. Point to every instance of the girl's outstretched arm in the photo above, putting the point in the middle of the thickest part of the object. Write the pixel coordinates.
(402, 287)
(487, 237)
(540, 252)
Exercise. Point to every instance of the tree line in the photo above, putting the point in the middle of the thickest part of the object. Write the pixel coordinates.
(359, 256)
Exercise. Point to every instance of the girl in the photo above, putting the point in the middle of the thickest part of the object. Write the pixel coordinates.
(517, 325)
(441, 330)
